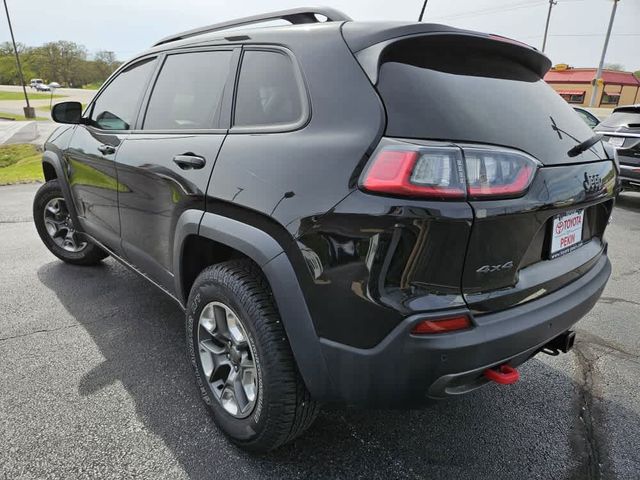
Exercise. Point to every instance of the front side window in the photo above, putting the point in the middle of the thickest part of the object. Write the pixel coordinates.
(188, 92)
(268, 90)
(116, 107)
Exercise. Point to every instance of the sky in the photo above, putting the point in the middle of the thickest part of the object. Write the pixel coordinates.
(126, 27)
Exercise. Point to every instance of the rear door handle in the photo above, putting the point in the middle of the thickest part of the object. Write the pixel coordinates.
(189, 161)
(107, 149)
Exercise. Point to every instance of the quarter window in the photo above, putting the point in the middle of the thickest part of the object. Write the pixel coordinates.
(116, 107)
(268, 90)
(189, 90)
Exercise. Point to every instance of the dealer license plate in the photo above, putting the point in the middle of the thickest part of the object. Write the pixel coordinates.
(566, 235)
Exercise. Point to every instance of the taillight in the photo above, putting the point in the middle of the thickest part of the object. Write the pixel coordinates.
(420, 172)
(449, 172)
(498, 173)
(441, 325)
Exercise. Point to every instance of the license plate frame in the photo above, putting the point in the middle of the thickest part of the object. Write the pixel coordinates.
(567, 230)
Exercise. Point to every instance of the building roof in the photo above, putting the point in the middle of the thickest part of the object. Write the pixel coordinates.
(586, 75)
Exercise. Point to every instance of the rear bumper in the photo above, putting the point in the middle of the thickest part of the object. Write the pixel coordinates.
(404, 369)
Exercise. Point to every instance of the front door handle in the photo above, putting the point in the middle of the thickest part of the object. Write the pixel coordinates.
(107, 149)
(189, 161)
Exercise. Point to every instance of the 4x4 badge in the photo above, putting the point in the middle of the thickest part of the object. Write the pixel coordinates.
(592, 183)
(495, 268)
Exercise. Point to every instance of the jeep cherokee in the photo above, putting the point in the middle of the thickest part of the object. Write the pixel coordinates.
(374, 214)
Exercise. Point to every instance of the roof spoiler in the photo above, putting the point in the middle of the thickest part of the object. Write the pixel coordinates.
(295, 16)
(371, 48)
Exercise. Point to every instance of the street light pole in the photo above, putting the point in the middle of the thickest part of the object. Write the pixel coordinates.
(424, 6)
(594, 93)
(546, 27)
(28, 111)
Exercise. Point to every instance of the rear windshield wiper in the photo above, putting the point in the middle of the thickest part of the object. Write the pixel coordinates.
(586, 145)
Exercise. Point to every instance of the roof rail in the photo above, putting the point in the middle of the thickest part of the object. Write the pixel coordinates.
(294, 15)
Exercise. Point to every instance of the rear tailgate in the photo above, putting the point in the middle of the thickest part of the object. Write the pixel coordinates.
(471, 90)
(512, 256)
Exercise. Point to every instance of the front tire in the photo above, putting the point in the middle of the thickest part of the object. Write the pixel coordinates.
(56, 229)
(242, 360)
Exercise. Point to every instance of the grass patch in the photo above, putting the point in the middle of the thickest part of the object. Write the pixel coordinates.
(16, 116)
(20, 163)
(31, 95)
(92, 86)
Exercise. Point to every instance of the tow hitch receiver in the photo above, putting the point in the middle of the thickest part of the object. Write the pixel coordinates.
(502, 374)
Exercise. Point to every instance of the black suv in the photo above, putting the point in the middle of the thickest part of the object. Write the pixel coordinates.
(372, 214)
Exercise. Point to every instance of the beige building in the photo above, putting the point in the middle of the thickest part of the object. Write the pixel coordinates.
(575, 85)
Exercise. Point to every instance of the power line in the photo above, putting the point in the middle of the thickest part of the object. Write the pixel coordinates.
(488, 11)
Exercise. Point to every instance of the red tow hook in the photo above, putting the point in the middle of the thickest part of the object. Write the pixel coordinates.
(502, 374)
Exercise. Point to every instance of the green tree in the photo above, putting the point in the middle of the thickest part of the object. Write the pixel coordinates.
(614, 66)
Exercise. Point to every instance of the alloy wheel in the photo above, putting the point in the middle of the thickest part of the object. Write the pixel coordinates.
(228, 359)
(59, 225)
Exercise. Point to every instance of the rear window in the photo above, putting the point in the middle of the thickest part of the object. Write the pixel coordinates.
(623, 119)
(268, 91)
(469, 89)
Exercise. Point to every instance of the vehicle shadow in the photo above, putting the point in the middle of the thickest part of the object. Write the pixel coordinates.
(532, 429)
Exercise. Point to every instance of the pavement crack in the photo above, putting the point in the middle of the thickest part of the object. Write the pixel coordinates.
(591, 444)
(22, 335)
(614, 300)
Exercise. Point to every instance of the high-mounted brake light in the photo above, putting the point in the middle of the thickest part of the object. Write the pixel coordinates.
(441, 325)
(449, 172)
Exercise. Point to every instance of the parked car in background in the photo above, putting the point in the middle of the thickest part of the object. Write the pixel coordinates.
(35, 82)
(54, 85)
(622, 130)
(42, 87)
(588, 117)
(336, 221)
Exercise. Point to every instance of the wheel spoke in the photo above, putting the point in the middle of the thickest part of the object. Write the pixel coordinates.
(235, 330)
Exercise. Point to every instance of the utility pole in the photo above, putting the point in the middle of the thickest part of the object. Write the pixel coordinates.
(424, 5)
(594, 93)
(28, 111)
(546, 27)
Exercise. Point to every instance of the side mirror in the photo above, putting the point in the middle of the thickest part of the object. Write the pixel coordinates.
(67, 112)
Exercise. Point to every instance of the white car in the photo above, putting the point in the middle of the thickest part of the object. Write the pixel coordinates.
(34, 82)
(42, 87)
(54, 85)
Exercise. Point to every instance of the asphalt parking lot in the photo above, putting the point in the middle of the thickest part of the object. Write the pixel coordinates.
(94, 384)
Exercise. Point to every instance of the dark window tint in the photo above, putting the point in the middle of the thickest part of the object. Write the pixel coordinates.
(474, 90)
(188, 92)
(268, 92)
(115, 108)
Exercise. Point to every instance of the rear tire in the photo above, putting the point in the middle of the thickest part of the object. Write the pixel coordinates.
(56, 229)
(232, 293)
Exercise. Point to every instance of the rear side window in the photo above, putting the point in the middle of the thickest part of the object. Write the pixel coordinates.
(268, 91)
(189, 90)
(117, 105)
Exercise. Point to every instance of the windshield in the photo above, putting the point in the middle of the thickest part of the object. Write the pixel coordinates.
(623, 119)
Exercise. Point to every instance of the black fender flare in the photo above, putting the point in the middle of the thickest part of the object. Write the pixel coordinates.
(269, 255)
(52, 159)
